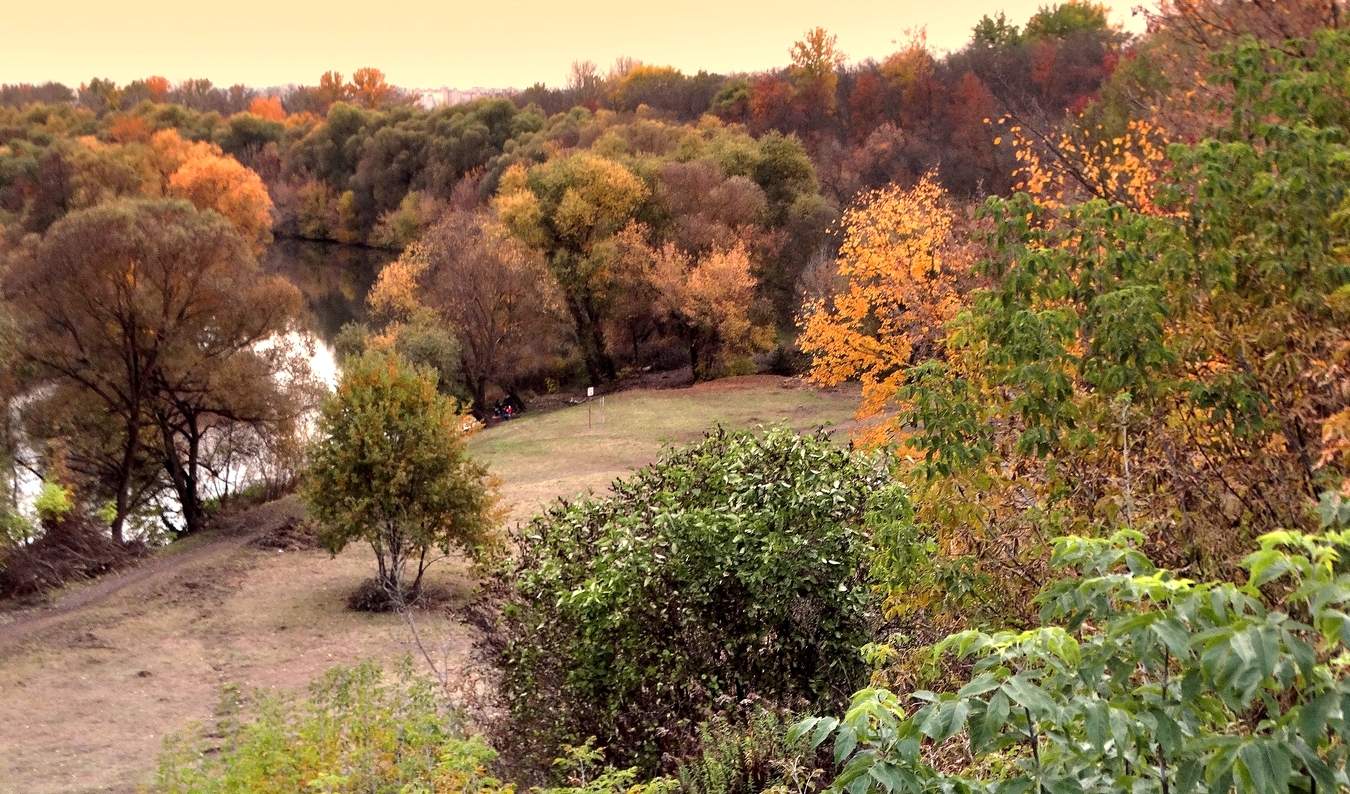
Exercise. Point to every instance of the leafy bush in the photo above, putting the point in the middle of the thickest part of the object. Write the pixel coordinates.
(359, 731)
(52, 502)
(1139, 680)
(733, 568)
(749, 753)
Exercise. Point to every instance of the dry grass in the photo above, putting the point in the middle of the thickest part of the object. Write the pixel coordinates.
(561, 453)
(86, 700)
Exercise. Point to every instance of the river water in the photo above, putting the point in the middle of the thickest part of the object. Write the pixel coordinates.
(334, 280)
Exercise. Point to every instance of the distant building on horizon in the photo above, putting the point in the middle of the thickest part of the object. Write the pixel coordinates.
(430, 98)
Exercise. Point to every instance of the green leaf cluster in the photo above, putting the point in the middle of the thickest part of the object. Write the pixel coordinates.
(1138, 680)
(733, 568)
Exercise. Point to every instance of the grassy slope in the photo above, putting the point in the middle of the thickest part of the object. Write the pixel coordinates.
(86, 701)
(543, 456)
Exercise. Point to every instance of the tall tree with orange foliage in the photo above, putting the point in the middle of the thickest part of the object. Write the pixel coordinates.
(267, 107)
(332, 88)
(708, 301)
(158, 87)
(905, 270)
(370, 89)
(220, 183)
(204, 175)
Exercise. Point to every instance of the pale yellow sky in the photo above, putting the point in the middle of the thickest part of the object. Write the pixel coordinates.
(497, 43)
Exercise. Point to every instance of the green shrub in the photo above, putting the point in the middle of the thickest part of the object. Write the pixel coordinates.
(733, 568)
(359, 731)
(390, 468)
(52, 503)
(584, 771)
(1139, 680)
(749, 753)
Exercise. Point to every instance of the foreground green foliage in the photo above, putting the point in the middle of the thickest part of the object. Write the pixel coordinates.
(360, 730)
(730, 569)
(1138, 680)
(749, 753)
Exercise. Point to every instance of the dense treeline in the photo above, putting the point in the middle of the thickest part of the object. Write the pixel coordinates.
(344, 158)
(679, 218)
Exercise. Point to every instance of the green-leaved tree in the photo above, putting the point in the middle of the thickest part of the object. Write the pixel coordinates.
(390, 469)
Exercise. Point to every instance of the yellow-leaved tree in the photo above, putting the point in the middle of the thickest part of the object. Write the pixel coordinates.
(904, 270)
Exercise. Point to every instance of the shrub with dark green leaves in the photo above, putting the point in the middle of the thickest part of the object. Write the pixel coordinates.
(1138, 680)
(734, 568)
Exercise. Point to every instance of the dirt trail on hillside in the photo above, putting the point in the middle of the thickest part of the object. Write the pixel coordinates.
(92, 684)
(19, 625)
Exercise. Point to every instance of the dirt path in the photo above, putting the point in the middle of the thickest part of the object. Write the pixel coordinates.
(92, 685)
(17, 626)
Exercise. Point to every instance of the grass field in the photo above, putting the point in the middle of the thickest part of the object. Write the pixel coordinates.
(86, 701)
(560, 453)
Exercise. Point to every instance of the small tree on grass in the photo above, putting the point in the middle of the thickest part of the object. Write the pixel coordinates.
(390, 469)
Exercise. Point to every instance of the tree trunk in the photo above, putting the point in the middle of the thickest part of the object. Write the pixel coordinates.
(599, 366)
(183, 473)
(125, 467)
(480, 397)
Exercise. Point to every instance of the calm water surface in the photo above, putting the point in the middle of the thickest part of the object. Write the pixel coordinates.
(334, 280)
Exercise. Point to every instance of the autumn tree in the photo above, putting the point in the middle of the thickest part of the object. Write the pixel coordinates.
(157, 87)
(469, 276)
(370, 89)
(267, 107)
(494, 292)
(222, 184)
(905, 269)
(710, 301)
(158, 314)
(995, 32)
(332, 89)
(585, 83)
(390, 469)
(1180, 372)
(563, 208)
(816, 60)
(1066, 19)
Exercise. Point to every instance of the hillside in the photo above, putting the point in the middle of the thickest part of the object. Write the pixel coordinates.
(93, 683)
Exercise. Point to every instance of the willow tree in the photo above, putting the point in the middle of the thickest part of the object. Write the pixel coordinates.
(158, 315)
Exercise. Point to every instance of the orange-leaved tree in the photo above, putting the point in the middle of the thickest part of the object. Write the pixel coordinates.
(904, 272)
(267, 107)
(223, 184)
(711, 303)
